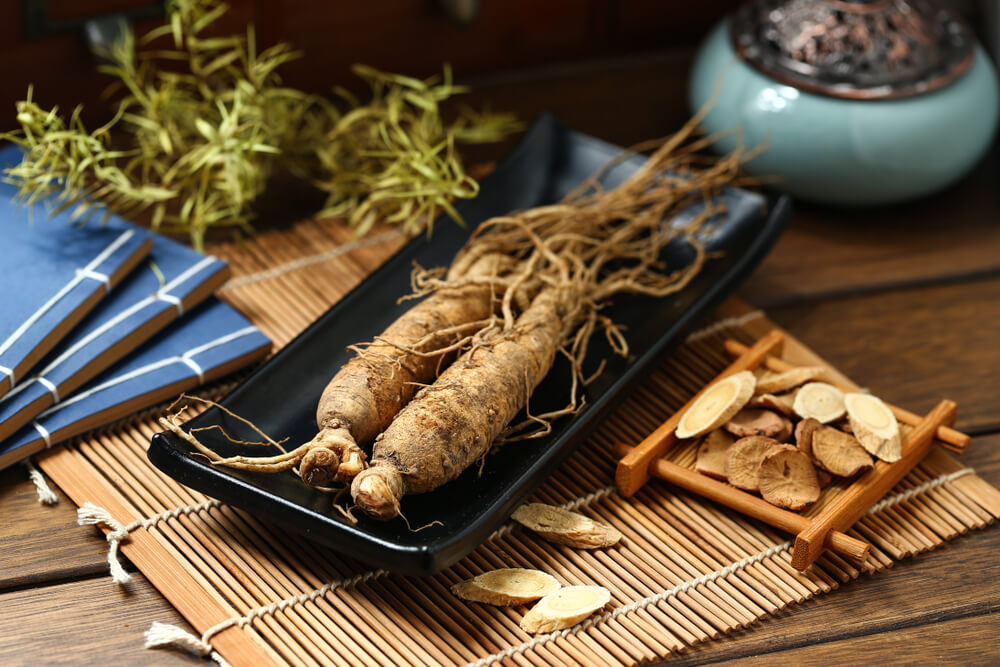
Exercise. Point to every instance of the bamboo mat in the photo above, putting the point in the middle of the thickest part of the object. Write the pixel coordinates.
(686, 572)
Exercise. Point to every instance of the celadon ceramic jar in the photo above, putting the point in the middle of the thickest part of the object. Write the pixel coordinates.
(858, 103)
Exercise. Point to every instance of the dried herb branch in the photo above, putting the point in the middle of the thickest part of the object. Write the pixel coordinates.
(203, 124)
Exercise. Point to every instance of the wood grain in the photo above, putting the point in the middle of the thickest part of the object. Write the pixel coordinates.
(86, 622)
(915, 346)
(829, 252)
(954, 642)
(42, 543)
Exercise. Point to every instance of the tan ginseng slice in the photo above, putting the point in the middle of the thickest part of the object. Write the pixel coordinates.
(772, 383)
(556, 524)
(783, 403)
(564, 608)
(874, 426)
(804, 431)
(820, 401)
(712, 454)
(717, 405)
(838, 452)
(757, 421)
(788, 479)
(507, 587)
(743, 460)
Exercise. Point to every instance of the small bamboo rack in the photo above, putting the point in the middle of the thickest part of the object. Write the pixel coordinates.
(824, 529)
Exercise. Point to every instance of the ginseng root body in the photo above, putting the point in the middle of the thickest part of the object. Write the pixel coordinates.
(449, 425)
(363, 397)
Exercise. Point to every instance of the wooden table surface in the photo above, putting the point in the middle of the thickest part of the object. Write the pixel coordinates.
(905, 300)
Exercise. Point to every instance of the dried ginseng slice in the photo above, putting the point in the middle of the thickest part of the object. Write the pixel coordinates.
(712, 454)
(717, 405)
(874, 426)
(788, 478)
(773, 383)
(558, 525)
(838, 452)
(820, 401)
(756, 421)
(783, 403)
(804, 433)
(564, 608)
(743, 460)
(506, 587)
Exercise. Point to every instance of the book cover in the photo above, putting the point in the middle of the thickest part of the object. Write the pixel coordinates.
(172, 281)
(55, 273)
(210, 342)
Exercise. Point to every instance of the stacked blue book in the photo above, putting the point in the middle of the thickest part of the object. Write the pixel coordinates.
(102, 320)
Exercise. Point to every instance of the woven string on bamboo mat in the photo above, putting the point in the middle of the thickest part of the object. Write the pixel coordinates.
(686, 571)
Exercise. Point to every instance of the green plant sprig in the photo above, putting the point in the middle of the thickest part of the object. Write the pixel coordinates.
(203, 124)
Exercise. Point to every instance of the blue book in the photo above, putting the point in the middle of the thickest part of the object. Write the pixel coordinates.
(208, 343)
(145, 302)
(55, 273)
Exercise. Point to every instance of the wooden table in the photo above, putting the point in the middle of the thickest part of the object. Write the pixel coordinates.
(905, 300)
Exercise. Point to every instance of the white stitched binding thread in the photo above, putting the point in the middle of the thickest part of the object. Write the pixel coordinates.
(66, 289)
(9, 372)
(318, 258)
(148, 368)
(193, 365)
(170, 298)
(45, 494)
(98, 276)
(725, 323)
(45, 382)
(91, 514)
(42, 431)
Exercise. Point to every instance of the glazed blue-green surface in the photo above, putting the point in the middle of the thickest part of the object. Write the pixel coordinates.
(841, 151)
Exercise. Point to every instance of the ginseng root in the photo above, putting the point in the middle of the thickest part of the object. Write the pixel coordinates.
(363, 397)
(452, 423)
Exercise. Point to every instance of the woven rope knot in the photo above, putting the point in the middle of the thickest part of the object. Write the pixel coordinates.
(163, 634)
(91, 514)
(45, 494)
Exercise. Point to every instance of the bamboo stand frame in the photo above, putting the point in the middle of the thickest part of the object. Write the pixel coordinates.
(813, 534)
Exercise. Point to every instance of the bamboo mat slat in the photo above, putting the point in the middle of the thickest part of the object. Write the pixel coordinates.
(686, 572)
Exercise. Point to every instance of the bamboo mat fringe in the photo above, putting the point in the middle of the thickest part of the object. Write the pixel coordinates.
(46, 496)
(687, 571)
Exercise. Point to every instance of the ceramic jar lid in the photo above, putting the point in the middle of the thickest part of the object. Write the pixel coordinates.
(856, 49)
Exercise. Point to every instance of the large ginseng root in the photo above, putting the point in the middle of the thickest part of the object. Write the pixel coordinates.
(449, 425)
(364, 396)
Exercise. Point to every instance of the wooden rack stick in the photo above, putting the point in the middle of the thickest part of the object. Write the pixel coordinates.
(853, 549)
(948, 437)
(633, 470)
(857, 499)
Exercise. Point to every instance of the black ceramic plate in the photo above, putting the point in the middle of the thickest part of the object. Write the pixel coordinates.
(281, 396)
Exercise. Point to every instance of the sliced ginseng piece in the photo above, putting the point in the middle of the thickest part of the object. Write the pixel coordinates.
(506, 587)
(775, 382)
(712, 454)
(755, 421)
(558, 525)
(874, 426)
(788, 478)
(564, 608)
(838, 452)
(781, 402)
(804, 432)
(820, 401)
(717, 405)
(743, 460)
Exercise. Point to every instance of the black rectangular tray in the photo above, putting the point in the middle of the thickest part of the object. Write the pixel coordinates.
(281, 395)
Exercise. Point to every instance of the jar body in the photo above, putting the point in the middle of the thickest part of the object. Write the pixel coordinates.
(843, 151)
